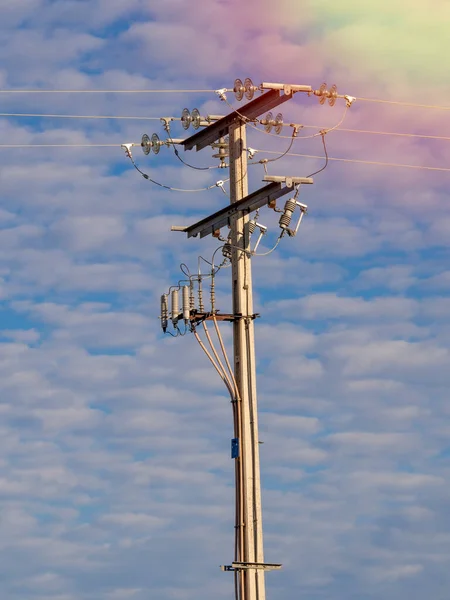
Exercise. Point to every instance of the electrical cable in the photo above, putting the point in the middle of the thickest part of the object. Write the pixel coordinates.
(364, 162)
(185, 270)
(399, 103)
(238, 541)
(177, 154)
(393, 133)
(217, 357)
(167, 187)
(270, 160)
(105, 91)
(203, 91)
(60, 145)
(341, 129)
(213, 362)
(43, 116)
(326, 158)
(271, 250)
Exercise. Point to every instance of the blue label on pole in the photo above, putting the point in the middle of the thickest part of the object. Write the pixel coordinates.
(234, 448)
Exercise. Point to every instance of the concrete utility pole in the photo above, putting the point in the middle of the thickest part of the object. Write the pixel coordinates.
(248, 566)
(250, 528)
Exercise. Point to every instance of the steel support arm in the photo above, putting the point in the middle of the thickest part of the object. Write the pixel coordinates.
(249, 111)
(221, 218)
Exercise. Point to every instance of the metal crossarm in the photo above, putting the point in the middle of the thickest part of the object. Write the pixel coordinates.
(221, 218)
(249, 111)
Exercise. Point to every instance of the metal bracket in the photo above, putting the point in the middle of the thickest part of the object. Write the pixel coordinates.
(289, 181)
(253, 201)
(248, 112)
(243, 566)
(199, 317)
(165, 121)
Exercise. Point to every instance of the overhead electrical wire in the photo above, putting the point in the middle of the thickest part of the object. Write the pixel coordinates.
(167, 187)
(364, 162)
(326, 161)
(393, 133)
(341, 129)
(43, 116)
(60, 145)
(321, 128)
(270, 160)
(400, 103)
(203, 91)
(330, 158)
(177, 154)
(148, 91)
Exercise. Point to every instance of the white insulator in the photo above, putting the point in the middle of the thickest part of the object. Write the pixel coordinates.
(191, 296)
(175, 307)
(303, 211)
(164, 312)
(201, 306)
(213, 295)
(227, 251)
(251, 226)
(186, 304)
(286, 217)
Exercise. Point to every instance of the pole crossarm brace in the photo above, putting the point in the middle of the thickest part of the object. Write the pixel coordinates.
(249, 111)
(221, 218)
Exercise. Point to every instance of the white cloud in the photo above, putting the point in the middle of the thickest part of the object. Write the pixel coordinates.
(115, 443)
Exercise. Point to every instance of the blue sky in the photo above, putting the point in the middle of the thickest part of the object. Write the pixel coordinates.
(115, 475)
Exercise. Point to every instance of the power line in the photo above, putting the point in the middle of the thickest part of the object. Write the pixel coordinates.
(394, 133)
(202, 91)
(84, 116)
(349, 160)
(364, 162)
(399, 103)
(138, 118)
(105, 91)
(60, 145)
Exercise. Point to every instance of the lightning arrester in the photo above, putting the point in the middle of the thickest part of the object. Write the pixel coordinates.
(175, 307)
(164, 312)
(186, 304)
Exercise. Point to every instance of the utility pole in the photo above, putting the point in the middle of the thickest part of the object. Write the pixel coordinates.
(250, 528)
(248, 566)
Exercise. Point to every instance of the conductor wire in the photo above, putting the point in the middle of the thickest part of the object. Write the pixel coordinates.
(43, 116)
(177, 154)
(224, 352)
(167, 187)
(365, 162)
(326, 158)
(213, 362)
(156, 91)
(399, 103)
(217, 357)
